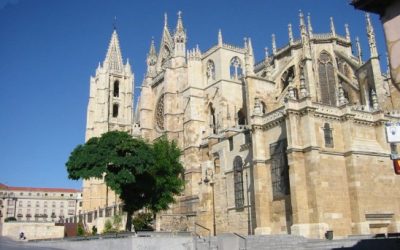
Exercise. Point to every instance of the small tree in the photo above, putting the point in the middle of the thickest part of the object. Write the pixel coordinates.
(117, 222)
(107, 226)
(143, 221)
(143, 175)
(80, 230)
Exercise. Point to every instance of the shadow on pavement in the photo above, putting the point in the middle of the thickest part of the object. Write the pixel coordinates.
(375, 244)
(8, 244)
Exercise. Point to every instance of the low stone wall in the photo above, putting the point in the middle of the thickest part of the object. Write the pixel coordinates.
(32, 230)
(130, 243)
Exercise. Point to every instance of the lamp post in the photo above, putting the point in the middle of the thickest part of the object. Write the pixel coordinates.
(206, 181)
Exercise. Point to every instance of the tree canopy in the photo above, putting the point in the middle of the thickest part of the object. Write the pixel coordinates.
(142, 174)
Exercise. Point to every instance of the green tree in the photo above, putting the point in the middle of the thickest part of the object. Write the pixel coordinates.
(143, 175)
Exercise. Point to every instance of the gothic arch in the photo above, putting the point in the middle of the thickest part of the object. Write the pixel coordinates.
(326, 75)
(116, 89)
(210, 73)
(286, 77)
(235, 68)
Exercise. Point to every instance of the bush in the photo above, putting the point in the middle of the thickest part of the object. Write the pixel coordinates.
(81, 230)
(117, 222)
(143, 222)
(8, 219)
(108, 228)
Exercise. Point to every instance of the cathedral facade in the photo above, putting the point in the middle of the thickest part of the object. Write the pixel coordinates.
(292, 144)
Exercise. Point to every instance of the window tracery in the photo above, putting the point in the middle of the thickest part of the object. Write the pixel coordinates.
(160, 113)
(210, 70)
(279, 169)
(287, 77)
(328, 135)
(115, 110)
(238, 182)
(326, 79)
(236, 68)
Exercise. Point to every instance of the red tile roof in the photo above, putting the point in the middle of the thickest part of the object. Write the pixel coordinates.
(39, 189)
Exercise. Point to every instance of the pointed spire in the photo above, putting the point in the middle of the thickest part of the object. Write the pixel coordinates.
(219, 38)
(273, 44)
(359, 52)
(165, 20)
(250, 47)
(113, 60)
(332, 25)
(127, 68)
(371, 37)
(249, 57)
(179, 24)
(305, 39)
(290, 31)
(266, 52)
(301, 17)
(151, 59)
(347, 30)
(310, 29)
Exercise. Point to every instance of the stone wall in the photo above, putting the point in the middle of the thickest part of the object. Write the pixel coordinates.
(32, 231)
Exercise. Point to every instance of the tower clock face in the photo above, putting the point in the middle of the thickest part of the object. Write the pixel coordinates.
(160, 113)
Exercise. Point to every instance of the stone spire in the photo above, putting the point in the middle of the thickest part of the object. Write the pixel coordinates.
(305, 39)
(113, 60)
(347, 30)
(273, 44)
(249, 57)
(180, 37)
(332, 26)
(290, 31)
(151, 59)
(359, 52)
(219, 38)
(310, 29)
(371, 37)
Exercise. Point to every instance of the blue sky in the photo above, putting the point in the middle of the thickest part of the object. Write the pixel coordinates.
(49, 49)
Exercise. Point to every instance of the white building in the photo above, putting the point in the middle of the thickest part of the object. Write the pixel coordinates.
(38, 204)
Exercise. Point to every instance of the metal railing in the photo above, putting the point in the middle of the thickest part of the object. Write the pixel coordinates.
(198, 236)
(244, 239)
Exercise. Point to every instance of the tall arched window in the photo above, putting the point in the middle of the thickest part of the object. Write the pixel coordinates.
(116, 89)
(115, 110)
(210, 70)
(326, 79)
(238, 182)
(160, 113)
(279, 169)
(236, 68)
(328, 136)
(286, 77)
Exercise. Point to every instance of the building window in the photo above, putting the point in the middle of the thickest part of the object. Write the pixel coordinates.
(328, 135)
(279, 169)
(45, 204)
(45, 194)
(115, 110)
(236, 68)
(230, 143)
(160, 113)
(37, 194)
(238, 182)
(71, 203)
(241, 117)
(54, 204)
(21, 194)
(116, 89)
(29, 204)
(326, 79)
(20, 204)
(61, 204)
(37, 204)
(70, 195)
(210, 70)
(70, 212)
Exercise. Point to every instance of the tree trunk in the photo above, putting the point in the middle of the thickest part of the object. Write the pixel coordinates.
(128, 226)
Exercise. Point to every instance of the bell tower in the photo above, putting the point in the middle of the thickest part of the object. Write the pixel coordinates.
(110, 108)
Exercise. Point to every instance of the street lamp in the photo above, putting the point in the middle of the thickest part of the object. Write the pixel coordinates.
(206, 181)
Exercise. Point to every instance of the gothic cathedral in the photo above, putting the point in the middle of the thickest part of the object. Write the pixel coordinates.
(292, 144)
